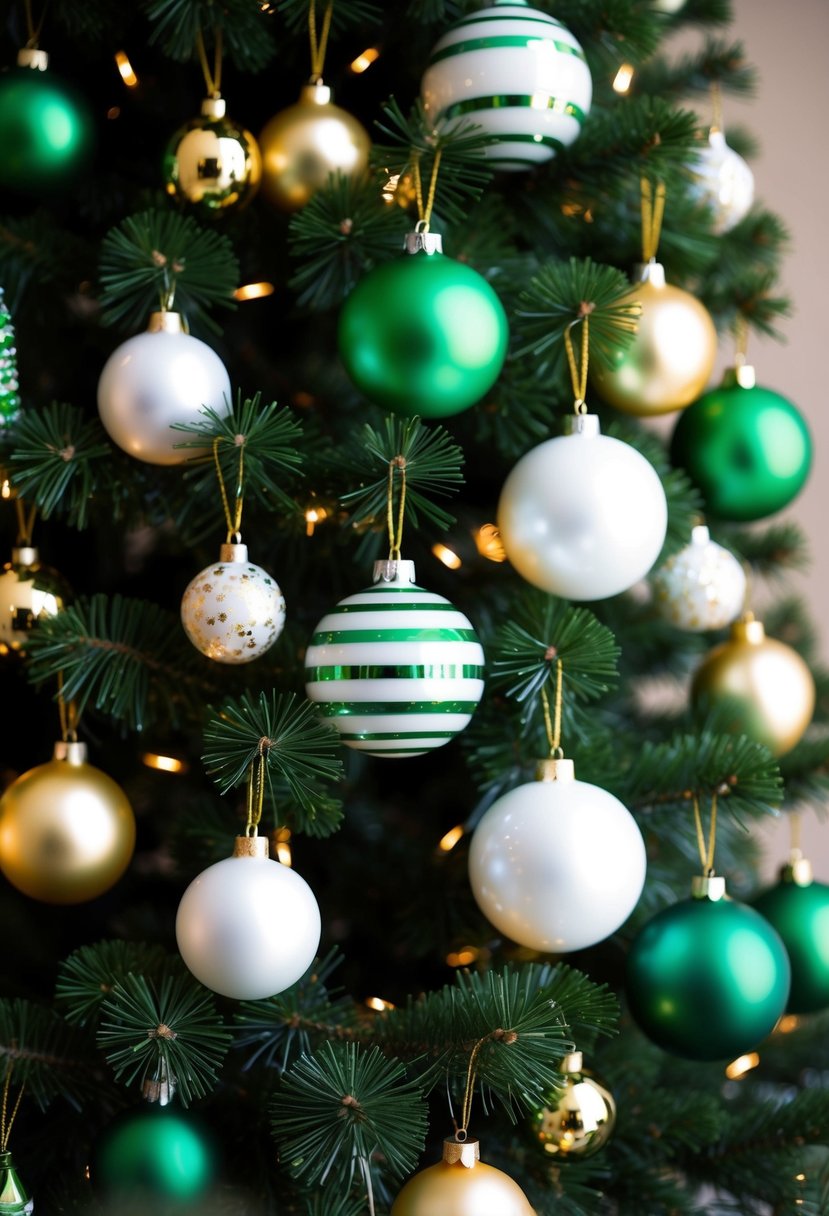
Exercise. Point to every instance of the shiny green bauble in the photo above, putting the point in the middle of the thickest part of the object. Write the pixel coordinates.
(748, 450)
(153, 1156)
(424, 335)
(706, 979)
(46, 132)
(800, 914)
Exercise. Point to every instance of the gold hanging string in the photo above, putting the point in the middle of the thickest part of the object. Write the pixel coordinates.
(795, 824)
(256, 788)
(424, 213)
(716, 106)
(6, 1123)
(396, 531)
(552, 721)
(462, 1131)
(212, 79)
(25, 521)
(319, 42)
(234, 519)
(32, 29)
(706, 851)
(578, 368)
(653, 209)
(68, 714)
(741, 336)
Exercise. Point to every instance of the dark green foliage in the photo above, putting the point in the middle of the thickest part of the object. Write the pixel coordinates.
(344, 14)
(249, 35)
(48, 1056)
(88, 975)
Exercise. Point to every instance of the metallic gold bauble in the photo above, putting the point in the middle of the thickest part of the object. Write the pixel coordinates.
(461, 1185)
(67, 831)
(767, 687)
(213, 162)
(580, 1119)
(29, 592)
(303, 145)
(668, 363)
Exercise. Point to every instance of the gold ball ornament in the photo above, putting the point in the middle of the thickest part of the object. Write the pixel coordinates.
(671, 357)
(580, 1120)
(29, 592)
(212, 162)
(461, 1185)
(765, 684)
(67, 831)
(303, 145)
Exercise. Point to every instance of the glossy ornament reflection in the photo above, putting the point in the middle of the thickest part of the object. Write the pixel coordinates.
(212, 162)
(29, 592)
(798, 908)
(580, 1118)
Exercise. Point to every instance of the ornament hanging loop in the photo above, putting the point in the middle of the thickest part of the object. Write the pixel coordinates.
(232, 519)
(424, 210)
(552, 720)
(706, 850)
(578, 366)
(32, 30)
(25, 522)
(6, 1121)
(462, 1131)
(257, 774)
(212, 79)
(319, 39)
(396, 464)
(653, 209)
(716, 106)
(68, 714)
(741, 336)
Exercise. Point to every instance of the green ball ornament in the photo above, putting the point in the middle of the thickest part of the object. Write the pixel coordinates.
(153, 1156)
(798, 907)
(424, 334)
(708, 977)
(746, 448)
(46, 129)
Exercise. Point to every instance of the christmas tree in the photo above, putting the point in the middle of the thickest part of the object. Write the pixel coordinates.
(393, 709)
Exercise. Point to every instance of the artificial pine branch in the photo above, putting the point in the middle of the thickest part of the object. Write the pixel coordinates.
(47, 1055)
(249, 34)
(771, 553)
(345, 14)
(87, 976)
(717, 61)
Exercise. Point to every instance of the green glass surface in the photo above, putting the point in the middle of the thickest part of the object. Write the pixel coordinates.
(46, 131)
(707, 980)
(748, 450)
(801, 917)
(155, 1154)
(423, 335)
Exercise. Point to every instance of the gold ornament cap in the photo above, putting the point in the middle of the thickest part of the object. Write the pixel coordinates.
(708, 886)
(747, 629)
(251, 846)
(234, 552)
(423, 242)
(398, 571)
(587, 425)
(165, 323)
(798, 870)
(25, 555)
(552, 769)
(213, 107)
(315, 94)
(649, 272)
(740, 376)
(73, 753)
(467, 1152)
(32, 57)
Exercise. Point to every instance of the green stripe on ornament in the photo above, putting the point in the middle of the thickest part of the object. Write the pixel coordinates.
(476, 18)
(342, 709)
(331, 636)
(435, 671)
(397, 751)
(507, 101)
(493, 42)
(374, 735)
(411, 606)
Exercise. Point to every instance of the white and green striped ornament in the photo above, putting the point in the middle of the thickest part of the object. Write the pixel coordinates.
(516, 72)
(396, 669)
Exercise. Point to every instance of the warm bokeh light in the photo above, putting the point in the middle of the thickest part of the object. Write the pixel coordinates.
(6, 491)
(448, 842)
(788, 1023)
(282, 846)
(125, 68)
(165, 764)
(253, 291)
(462, 957)
(378, 1004)
(313, 516)
(623, 78)
(743, 1064)
(365, 60)
(488, 543)
(447, 556)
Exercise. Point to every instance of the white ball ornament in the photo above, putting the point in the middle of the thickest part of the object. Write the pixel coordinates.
(516, 72)
(701, 587)
(723, 180)
(248, 927)
(557, 864)
(584, 515)
(233, 611)
(158, 378)
(396, 669)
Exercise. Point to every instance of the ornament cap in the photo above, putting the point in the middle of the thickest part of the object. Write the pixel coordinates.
(315, 93)
(700, 535)
(25, 555)
(649, 272)
(13, 1195)
(747, 629)
(213, 107)
(73, 753)
(251, 846)
(742, 375)
(572, 1062)
(708, 886)
(235, 552)
(587, 425)
(399, 571)
(34, 58)
(552, 769)
(798, 870)
(423, 242)
(165, 323)
(467, 1152)
(161, 1091)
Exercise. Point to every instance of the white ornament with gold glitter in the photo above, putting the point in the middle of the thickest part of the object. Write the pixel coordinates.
(233, 611)
(701, 587)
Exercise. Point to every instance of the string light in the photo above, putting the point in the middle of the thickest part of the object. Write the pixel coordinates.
(282, 846)
(448, 842)
(165, 764)
(488, 543)
(314, 516)
(125, 68)
(6, 491)
(623, 78)
(743, 1064)
(463, 957)
(368, 57)
(788, 1023)
(114, 112)
(253, 291)
(378, 1004)
(447, 556)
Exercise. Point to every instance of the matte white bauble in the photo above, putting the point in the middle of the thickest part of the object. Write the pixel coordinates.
(248, 927)
(233, 611)
(516, 72)
(156, 379)
(583, 516)
(557, 864)
(723, 180)
(701, 587)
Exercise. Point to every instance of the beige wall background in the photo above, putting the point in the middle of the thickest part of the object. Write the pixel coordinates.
(788, 116)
